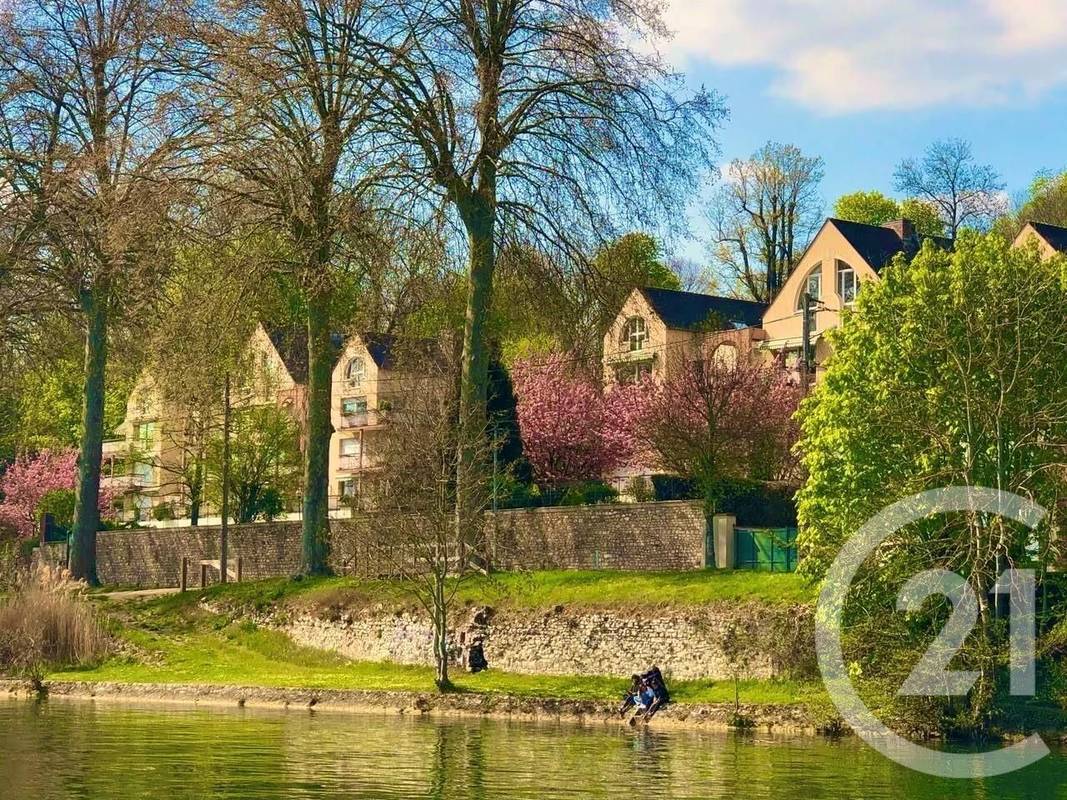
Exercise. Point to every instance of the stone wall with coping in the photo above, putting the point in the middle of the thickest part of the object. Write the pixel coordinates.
(713, 642)
(643, 536)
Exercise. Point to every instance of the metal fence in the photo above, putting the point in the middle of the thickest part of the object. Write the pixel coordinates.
(766, 549)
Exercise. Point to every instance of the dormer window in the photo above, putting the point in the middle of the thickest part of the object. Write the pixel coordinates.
(847, 285)
(812, 286)
(356, 370)
(635, 334)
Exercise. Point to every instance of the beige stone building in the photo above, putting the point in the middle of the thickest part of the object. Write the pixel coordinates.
(1051, 239)
(144, 463)
(839, 260)
(657, 330)
(369, 380)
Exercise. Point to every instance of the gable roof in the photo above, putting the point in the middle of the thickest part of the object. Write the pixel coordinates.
(292, 346)
(878, 245)
(687, 310)
(1053, 234)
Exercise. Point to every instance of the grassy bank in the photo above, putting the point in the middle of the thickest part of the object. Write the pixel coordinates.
(192, 638)
(572, 589)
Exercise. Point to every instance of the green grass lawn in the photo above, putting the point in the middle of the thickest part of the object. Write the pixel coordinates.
(211, 653)
(571, 589)
(176, 640)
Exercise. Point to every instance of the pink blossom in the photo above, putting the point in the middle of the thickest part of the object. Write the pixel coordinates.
(571, 430)
(29, 478)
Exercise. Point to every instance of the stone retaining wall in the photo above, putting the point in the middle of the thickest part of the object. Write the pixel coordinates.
(643, 536)
(714, 642)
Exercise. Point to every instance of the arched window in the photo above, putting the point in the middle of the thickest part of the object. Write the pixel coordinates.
(356, 370)
(635, 334)
(812, 286)
(725, 356)
(847, 283)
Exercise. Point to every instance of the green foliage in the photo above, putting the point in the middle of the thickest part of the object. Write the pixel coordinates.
(912, 397)
(641, 490)
(870, 208)
(163, 512)
(60, 504)
(264, 463)
(1046, 201)
(951, 372)
(589, 493)
(875, 208)
(927, 220)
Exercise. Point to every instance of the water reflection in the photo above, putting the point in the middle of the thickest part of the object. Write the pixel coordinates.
(74, 750)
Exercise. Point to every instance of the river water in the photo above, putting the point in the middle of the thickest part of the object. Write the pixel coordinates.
(64, 749)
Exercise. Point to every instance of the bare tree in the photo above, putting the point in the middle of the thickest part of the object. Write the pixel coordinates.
(538, 121)
(287, 96)
(763, 216)
(88, 151)
(966, 194)
(414, 529)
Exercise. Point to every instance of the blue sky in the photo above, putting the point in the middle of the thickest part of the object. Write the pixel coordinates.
(864, 84)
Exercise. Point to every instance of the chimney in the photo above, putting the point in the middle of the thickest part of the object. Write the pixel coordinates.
(905, 229)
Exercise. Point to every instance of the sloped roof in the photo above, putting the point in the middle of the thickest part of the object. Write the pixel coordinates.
(292, 346)
(878, 245)
(1053, 234)
(687, 310)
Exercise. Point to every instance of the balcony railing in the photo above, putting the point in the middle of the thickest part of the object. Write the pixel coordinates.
(361, 419)
(124, 483)
(350, 463)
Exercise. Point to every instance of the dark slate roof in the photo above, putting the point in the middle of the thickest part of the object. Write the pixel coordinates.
(381, 347)
(292, 346)
(685, 310)
(878, 245)
(1053, 234)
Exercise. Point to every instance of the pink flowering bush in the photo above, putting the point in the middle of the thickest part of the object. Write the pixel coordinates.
(30, 478)
(571, 429)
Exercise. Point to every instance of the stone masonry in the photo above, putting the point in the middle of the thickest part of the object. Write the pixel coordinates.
(643, 536)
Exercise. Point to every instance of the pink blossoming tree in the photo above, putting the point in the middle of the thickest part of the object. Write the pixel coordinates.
(718, 419)
(30, 478)
(571, 429)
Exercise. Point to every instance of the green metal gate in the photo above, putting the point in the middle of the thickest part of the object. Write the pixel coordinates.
(766, 549)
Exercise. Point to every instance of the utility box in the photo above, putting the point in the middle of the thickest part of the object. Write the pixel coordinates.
(725, 540)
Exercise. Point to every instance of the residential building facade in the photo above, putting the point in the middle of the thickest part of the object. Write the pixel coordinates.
(657, 331)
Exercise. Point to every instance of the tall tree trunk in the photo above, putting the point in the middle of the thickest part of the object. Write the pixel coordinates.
(87, 505)
(479, 218)
(316, 529)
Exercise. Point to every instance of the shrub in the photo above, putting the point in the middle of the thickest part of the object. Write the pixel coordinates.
(47, 622)
(589, 493)
(641, 490)
(59, 505)
(163, 512)
(673, 487)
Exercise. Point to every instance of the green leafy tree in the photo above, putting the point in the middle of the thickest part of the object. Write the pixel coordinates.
(540, 307)
(875, 208)
(264, 463)
(870, 208)
(951, 371)
(1045, 201)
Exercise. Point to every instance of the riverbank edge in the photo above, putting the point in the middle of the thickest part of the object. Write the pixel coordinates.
(778, 719)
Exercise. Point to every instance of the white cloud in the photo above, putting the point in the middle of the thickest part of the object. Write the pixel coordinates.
(838, 56)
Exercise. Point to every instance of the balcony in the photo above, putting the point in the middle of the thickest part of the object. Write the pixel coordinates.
(124, 483)
(361, 419)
